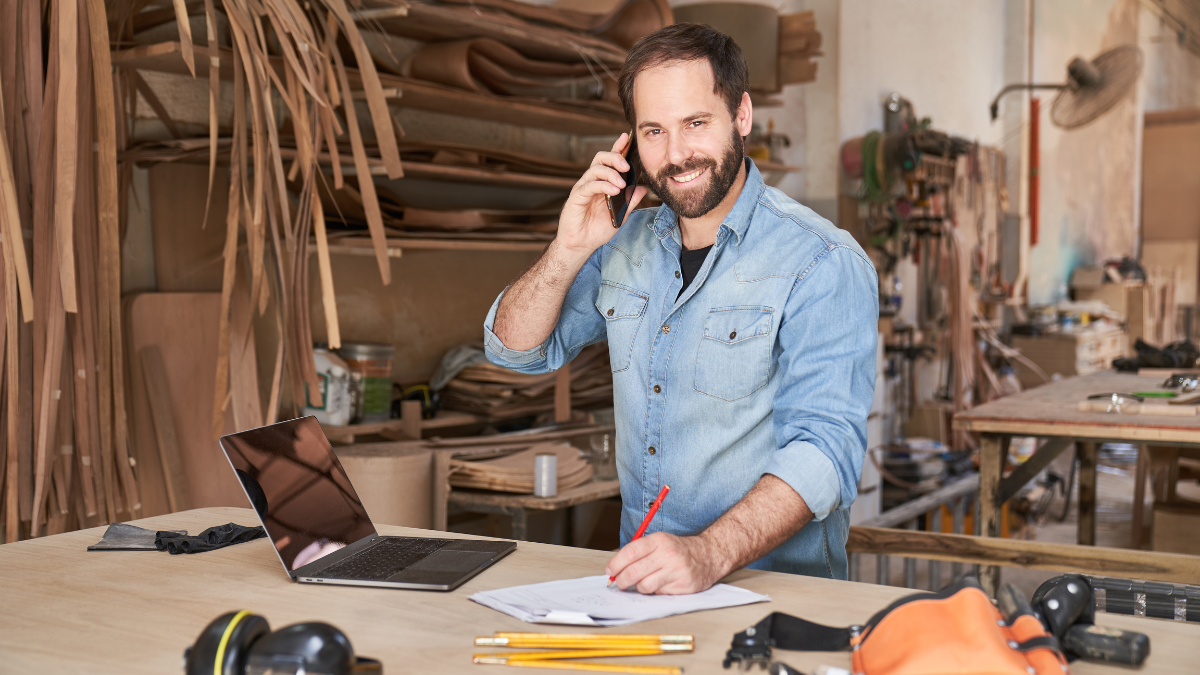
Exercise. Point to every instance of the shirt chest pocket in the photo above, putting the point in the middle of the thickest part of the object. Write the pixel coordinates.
(622, 310)
(734, 356)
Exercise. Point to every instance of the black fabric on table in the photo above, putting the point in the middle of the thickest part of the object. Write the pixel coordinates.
(690, 263)
(212, 538)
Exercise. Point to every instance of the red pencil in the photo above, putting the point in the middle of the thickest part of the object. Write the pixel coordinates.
(662, 494)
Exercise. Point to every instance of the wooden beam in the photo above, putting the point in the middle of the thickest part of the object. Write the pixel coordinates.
(562, 395)
(989, 551)
(993, 452)
(1030, 468)
(410, 419)
(1087, 494)
(345, 245)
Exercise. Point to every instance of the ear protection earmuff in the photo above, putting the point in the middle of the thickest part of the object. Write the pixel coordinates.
(241, 643)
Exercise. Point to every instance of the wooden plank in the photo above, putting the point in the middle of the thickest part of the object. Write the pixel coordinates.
(12, 387)
(562, 395)
(410, 419)
(66, 149)
(183, 328)
(993, 453)
(108, 343)
(246, 400)
(366, 184)
(988, 551)
(1030, 468)
(1139, 496)
(159, 397)
(380, 117)
(1087, 493)
(10, 223)
(83, 426)
(185, 35)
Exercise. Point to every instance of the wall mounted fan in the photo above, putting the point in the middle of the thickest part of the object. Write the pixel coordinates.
(1091, 89)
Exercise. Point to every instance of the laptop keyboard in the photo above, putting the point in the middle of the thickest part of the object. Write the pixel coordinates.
(384, 559)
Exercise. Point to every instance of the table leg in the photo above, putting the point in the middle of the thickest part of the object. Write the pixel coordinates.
(993, 451)
(1087, 493)
(520, 524)
(1139, 496)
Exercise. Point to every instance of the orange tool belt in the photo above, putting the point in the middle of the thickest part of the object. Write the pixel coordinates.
(957, 631)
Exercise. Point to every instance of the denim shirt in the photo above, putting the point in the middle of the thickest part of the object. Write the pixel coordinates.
(765, 364)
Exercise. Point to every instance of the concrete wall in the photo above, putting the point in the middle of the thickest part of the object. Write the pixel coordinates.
(945, 56)
(1172, 74)
(1090, 175)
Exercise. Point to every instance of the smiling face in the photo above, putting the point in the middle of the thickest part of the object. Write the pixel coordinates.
(688, 142)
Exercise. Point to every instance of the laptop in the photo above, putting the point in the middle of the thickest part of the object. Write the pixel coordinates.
(319, 527)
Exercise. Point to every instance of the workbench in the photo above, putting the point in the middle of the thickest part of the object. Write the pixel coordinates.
(1051, 412)
(517, 506)
(67, 610)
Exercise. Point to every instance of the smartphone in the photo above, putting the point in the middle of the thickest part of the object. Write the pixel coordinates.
(618, 206)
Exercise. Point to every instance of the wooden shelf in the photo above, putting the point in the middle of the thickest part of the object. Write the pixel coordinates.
(363, 246)
(443, 420)
(166, 57)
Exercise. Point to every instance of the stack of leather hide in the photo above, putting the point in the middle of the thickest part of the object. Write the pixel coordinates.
(499, 393)
(512, 48)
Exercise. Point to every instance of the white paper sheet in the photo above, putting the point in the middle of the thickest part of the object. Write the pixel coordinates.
(589, 602)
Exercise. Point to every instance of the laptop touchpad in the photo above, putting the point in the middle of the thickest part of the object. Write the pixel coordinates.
(458, 562)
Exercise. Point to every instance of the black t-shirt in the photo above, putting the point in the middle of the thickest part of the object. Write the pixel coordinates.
(690, 263)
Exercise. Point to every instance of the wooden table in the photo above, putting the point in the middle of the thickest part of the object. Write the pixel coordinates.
(1051, 412)
(517, 506)
(70, 611)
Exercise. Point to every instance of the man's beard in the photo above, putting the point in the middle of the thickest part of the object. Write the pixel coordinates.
(693, 203)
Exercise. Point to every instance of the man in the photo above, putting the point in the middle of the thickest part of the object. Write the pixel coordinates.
(741, 327)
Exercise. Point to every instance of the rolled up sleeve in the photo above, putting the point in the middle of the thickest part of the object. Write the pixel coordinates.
(579, 325)
(827, 343)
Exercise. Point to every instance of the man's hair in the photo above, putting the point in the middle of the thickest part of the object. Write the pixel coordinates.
(687, 42)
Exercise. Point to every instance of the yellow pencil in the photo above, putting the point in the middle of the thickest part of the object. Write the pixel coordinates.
(593, 667)
(500, 635)
(592, 644)
(571, 654)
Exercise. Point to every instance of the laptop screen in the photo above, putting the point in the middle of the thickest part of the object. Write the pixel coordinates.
(299, 489)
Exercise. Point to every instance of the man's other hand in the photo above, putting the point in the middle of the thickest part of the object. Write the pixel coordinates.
(665, 564)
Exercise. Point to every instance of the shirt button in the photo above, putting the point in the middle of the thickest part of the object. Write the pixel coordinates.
(677, 275)
(733, 335)
(666, 329)
(611, 310)
(657, 389)
(652, 450)
(650, 504)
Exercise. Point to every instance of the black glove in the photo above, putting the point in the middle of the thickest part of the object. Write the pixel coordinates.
(212, 538)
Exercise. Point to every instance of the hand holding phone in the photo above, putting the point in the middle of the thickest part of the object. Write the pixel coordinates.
(601, 200)
(618, 205)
